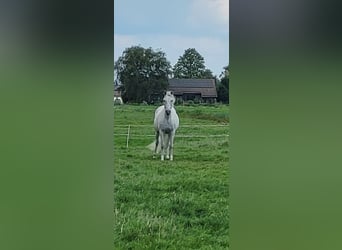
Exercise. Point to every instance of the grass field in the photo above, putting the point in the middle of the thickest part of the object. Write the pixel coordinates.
(181, 204)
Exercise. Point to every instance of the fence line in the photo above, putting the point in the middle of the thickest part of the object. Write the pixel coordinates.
(185, 125)
(129, 134)
(177, 136)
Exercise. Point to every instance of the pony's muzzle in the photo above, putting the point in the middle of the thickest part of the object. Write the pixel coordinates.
(168, 112)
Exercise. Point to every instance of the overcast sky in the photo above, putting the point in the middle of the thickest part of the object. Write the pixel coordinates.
(174, 26)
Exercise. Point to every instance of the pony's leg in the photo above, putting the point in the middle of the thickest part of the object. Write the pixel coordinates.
(172, 136)
(162, 145)
(168, 146)
(157, 142)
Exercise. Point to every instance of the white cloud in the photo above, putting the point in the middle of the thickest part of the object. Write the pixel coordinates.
(212, 14)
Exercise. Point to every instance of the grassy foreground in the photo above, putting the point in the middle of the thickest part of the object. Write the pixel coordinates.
(171, 205)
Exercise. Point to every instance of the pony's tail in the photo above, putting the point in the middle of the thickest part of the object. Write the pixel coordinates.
(152, 146)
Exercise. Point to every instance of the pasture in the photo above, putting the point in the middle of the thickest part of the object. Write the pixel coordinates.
(181, 204)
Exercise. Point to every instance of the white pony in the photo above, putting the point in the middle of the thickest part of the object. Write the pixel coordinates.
(166, 122)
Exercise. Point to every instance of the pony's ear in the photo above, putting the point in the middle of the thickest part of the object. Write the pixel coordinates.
(164, 92)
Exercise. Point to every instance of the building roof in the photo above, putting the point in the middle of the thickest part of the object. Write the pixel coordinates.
(205, 87)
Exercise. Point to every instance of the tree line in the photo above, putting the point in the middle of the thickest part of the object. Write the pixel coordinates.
(143, 73)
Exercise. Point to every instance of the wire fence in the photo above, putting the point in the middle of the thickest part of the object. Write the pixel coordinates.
(126, 131)
(183, 125)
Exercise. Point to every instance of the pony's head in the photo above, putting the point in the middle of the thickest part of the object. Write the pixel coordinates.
(168, 100)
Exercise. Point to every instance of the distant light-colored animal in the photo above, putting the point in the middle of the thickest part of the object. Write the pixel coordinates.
(166, 122)
(117, 100)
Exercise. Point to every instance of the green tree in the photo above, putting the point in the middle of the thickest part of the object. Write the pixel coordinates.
(207, 74)
(223, 86)
(142, 72)
(191, 65)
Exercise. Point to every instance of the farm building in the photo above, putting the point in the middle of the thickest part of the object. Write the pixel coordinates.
(118, 90)
(201, 90)
(118, 94)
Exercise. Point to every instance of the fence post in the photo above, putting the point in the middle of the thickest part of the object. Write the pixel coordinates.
(129, 128)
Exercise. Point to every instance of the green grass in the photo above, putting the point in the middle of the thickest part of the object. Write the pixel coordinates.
(171, 205)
